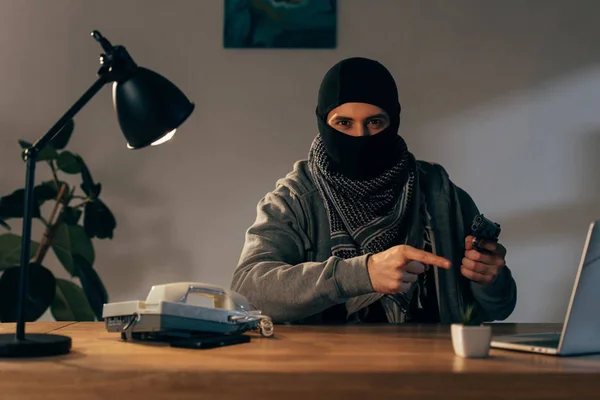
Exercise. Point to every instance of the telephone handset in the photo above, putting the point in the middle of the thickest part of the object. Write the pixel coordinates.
(169, 311)
(180, 291)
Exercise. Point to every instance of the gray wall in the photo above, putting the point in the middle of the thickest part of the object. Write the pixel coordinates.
(506, 95)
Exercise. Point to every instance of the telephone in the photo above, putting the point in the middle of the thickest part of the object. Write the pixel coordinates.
(169, 312)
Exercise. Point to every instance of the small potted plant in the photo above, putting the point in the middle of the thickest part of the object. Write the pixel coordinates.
(471, 339)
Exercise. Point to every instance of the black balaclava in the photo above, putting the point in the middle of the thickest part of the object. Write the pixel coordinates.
(365, 81)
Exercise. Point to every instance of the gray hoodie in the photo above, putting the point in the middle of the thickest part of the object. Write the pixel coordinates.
(286, 269)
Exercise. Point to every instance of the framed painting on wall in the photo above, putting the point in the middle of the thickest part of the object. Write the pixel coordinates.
(307, 24)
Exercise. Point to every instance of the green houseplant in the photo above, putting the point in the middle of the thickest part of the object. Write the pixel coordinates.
(76, 217)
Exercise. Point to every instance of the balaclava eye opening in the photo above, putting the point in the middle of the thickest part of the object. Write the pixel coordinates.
(365, 81)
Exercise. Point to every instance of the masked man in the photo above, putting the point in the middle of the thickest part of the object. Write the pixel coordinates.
(364, 232)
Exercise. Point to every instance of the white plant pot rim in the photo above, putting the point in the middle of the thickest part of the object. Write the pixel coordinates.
(473, 327)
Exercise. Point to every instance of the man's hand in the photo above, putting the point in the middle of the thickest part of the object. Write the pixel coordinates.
(393, 270)
(482, 266)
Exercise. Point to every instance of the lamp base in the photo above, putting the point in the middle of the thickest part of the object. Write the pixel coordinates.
(34, 345)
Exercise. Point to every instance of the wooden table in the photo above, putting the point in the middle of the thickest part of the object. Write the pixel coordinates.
(365, 362)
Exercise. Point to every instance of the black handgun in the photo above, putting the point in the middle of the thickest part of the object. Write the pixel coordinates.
(484, 229)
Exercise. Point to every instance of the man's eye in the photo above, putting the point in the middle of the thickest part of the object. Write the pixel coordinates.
(343, 123)
(376, 122)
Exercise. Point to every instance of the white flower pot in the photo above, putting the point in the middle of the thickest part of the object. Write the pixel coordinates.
(471, 341)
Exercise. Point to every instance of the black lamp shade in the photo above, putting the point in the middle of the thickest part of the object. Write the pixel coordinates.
(149, 107)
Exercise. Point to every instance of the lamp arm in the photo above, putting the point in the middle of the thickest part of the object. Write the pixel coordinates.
(71, 112)
(30, 156)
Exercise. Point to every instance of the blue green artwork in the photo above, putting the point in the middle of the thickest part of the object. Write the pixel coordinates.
(308, 24)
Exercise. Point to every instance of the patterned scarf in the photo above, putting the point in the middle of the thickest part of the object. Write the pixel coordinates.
(365, 216)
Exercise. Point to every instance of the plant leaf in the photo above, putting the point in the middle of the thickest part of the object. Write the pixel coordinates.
(70, 303)
(61, 245)
(88, 186)
(47, 153)
(4, 224)
(52, 185)
(12, 205)
(70, 240)
(71, 215)
(67, 162)
(40, 293)
(10, 250)
(92, 285)
(44, 192)
(98, 220)
(61, 139)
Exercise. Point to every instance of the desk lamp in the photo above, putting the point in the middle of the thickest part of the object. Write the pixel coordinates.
(149, 110)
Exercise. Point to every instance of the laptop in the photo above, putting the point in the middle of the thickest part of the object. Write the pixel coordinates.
(581, 328)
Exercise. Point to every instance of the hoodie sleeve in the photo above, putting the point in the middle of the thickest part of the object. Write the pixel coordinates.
(273, 273)
(497, 301)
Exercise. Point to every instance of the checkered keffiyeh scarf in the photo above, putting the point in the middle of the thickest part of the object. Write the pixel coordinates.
(364, 216)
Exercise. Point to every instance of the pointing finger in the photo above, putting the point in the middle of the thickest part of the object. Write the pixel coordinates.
(410, 253)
